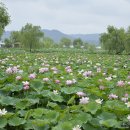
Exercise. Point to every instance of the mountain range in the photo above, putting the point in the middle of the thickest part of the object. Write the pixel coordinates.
(57, 35)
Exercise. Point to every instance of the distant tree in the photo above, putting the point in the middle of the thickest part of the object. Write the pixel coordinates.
(7, 42)
(77, 43)
(127, 42)
(15, 38)
(86, 44)
(113, 40)
(65, 42)
(4, 18)
(91, 48)
(31, 36)
(48, 42)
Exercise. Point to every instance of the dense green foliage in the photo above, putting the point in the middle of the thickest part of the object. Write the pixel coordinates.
(65, 42)
(78, 43)
(4, 18)
(30, 36)
(14, 40)
(116, 40)
(48, 102)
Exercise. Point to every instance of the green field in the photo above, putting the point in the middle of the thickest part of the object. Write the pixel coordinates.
(64, 90)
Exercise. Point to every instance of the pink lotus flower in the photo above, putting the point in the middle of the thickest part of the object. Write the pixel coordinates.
(15, 69)
(12, 70)
(112, 96)
(26, 87)
(25, 83)
(70, 82)
(84, 100)
(87, 73)
(68, 69)
(9, 70)
(120, 83)
(18, 78)
(126, 95)
(128, 77)
(42, 70)
(57, 81)
(81, 94)
(124, 99)
(32, 76)
(46, 79)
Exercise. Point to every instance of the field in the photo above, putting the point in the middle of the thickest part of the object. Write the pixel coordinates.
(64, 90)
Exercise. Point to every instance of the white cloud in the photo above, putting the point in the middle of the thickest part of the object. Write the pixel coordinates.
(69, 16)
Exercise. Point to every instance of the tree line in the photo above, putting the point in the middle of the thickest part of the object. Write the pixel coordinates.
(32, 37)
(116, 40)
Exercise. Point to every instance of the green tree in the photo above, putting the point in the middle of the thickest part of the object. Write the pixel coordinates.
(31, 36)
(127, 42)
(113, 40)
(48, 42)
(4, 18)
(77, 43)
(7, 42)
(65, 42)
(15, 36)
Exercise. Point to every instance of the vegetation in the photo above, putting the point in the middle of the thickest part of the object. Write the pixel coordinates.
(78, 43)
(4, 18)
(31, 36)
(64, 91)
(116, 40)
(65, 42)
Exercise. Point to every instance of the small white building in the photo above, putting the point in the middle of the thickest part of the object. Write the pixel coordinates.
(1, 44)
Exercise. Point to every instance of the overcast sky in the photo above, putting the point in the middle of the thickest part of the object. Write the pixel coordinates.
(69, 16)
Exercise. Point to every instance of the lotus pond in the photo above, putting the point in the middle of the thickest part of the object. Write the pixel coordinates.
(64, 91)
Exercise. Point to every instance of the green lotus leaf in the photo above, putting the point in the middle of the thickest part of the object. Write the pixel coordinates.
(91, 107)
(106, 116)
(63, 126)
(110, 123)
(56, 97)
(3, 122)
(16, 121)
(71, 100)
(70, 90)
(37, 85)
(52, 116)
(7, 100)
(40, 122)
